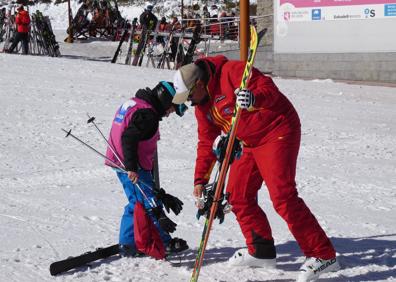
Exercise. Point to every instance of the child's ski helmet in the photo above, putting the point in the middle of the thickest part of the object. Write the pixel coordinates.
(165, 92)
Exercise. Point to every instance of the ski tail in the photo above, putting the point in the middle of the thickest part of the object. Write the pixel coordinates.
(130, 47)
(142, 40)
(117, 52)
(254, 42)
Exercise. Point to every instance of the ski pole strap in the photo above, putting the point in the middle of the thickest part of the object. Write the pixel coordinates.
(152, 203)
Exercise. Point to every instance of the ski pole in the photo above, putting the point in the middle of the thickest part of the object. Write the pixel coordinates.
(68, 133)
(92, 120)
(151, 202)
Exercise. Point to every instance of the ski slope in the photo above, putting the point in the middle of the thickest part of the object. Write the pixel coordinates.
(58, 199)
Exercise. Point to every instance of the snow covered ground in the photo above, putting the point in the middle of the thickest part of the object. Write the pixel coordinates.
(58, 199)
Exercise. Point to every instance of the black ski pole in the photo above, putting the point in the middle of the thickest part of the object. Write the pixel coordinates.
(92, 120)
(68, 133)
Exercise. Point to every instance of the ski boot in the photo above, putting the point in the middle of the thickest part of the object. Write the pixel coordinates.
(129, 251)
(243, 258)
(312, 268)
(176, 245)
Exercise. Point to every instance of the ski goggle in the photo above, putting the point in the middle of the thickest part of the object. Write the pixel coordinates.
(179, 109)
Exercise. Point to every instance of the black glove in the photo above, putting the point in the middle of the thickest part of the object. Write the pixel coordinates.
(208, 194)
(165, 222)
(220, 146)
(169, 201)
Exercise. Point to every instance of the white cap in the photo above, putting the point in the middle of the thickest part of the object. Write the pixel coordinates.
(184, 80)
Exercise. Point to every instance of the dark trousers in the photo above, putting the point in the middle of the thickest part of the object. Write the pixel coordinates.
(21, 37)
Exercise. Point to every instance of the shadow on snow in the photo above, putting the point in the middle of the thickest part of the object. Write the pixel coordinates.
(364, 252)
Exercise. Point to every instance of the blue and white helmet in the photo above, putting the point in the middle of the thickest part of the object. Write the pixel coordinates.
(165, 92)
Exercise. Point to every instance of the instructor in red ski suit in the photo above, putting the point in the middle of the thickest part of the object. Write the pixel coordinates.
(270, 132)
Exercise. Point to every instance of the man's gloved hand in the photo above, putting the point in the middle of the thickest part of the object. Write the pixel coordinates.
(169, 201)
(220, 146)
(165, 222)
(245, 99)
(208, 194)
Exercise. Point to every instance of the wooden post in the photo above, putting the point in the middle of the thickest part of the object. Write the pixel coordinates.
(244, 29)
(69, 12)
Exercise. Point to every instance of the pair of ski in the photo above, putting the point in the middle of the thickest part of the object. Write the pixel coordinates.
(138, 57)
(124, 36)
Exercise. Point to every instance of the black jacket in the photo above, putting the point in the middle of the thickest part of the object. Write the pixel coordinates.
(149, 20)
(143, 125)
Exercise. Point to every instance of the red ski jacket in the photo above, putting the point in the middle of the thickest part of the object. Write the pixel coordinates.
(273, 115)
(22, 21)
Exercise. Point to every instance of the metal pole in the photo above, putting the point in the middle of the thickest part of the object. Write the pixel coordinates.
(182, 12)
(69, 12)
(68, 133)
(244, 29)
(156, 171)
(92, 120)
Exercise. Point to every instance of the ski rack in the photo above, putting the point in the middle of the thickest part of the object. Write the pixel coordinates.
(178, 34)
(150, 57)
(42, 40)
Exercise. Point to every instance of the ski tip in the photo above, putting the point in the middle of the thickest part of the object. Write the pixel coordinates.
(262, 32)
(53, 269)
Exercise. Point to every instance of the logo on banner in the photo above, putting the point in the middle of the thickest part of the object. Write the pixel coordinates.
(347, 17)
(316, 14)
(369, 13)
(390, 10)
(286, 16)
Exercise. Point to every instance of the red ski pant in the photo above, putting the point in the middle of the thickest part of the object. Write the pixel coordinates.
(275, 163)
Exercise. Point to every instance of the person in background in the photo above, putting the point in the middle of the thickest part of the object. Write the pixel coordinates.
(206, 17)
(162, 27)
(148, 19)
(175, 24)
(270, 131)
(22, 21)
(177, 28)
(132, 146)
(3, 14)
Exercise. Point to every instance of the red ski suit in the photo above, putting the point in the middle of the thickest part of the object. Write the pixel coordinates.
(271, 137)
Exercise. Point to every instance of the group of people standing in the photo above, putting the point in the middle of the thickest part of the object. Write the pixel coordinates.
(270, 134)
(222, 24)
